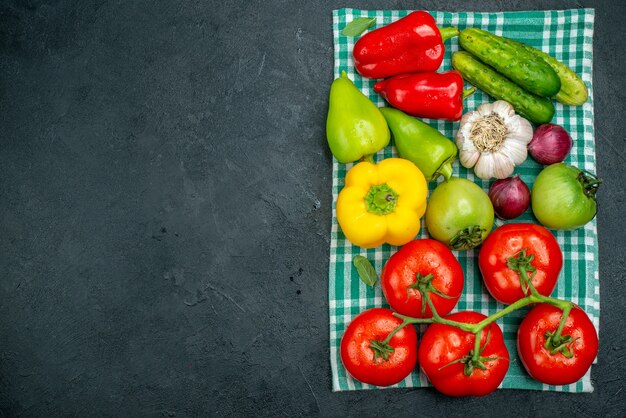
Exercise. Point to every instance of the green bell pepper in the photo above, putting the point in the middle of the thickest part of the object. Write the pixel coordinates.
(355, 128)
(421, 144)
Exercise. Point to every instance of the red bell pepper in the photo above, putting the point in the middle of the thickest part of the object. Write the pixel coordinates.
(426, 95)
(409, 45)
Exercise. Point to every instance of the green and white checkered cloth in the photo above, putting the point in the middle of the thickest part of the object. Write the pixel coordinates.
(566, 35)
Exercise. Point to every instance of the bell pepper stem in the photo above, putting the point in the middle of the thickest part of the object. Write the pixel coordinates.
(468, 92)
(381, 199)
(448, 32)
(369, 158)
(445, 169)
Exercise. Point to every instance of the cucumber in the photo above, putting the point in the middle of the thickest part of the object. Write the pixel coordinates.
(513, 61)
(573, 90)
(534, 108)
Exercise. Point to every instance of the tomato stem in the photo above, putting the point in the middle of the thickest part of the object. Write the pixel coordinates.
(590, 183)
(522, 264)
(381, 349)
(438, 319)
(431, 305)
(424, 284)
(512, 307)
(556, 342)
(559, 330)
(476, 352)
(564, 305)
(411, 320)
(467, 238)
(398, 328)
(475, 360)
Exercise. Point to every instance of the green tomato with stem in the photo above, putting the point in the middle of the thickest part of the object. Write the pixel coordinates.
(564, 197)
(459, 214)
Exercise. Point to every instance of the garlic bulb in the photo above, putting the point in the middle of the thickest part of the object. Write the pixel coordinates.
(493, 140)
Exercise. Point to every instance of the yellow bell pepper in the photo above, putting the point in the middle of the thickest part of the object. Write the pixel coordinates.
(382, 203)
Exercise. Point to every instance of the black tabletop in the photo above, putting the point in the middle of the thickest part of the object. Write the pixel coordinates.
(165, 212)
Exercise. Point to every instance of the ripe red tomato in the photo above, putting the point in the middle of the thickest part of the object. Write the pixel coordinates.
(508, 241)
(557, 368)
(442, 347)
(358, 356)
(424, 257)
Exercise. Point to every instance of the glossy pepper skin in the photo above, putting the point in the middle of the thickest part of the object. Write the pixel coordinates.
(421, 144)
(382, 203)
(355, 128)
(408, 45)
(426, 95)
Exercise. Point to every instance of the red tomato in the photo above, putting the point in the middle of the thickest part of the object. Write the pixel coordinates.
(424, 257)
(507, 241)
(556, 369)
(358, 357)
(443, 345)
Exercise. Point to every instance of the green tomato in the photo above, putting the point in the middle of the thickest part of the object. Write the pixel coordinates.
(564, 197)
(459, 214)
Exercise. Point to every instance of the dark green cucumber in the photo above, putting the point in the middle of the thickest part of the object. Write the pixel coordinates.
(573, 90)
(532, 107)
(514, 62)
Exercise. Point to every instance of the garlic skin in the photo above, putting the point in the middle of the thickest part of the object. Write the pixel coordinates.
(493, 140)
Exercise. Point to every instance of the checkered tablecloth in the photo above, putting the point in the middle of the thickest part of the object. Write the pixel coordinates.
(565, 34)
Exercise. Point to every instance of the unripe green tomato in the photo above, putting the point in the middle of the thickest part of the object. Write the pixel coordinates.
(564, 197)
(459, 214)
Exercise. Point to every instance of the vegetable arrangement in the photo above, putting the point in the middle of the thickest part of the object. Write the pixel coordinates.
(463, 353)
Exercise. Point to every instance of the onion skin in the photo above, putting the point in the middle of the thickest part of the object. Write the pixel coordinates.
(550, 144)
(510, 197)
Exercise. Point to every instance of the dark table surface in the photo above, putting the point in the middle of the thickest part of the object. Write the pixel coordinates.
(165, 212)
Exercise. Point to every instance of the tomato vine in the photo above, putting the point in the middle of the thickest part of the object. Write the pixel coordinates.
(464, 353)
(522, 263)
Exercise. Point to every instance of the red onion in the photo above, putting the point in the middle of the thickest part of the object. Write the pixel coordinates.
(550, 144)
(510, 197)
